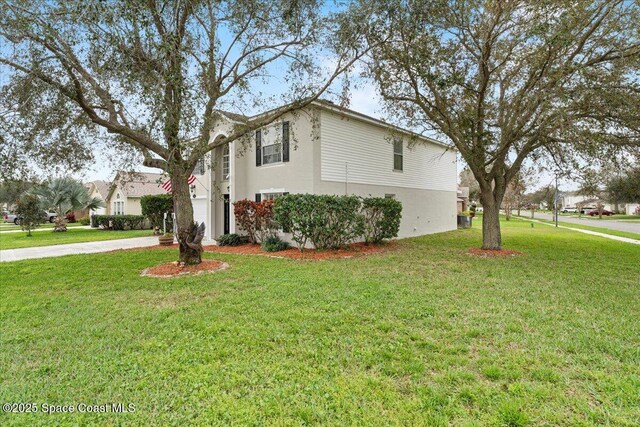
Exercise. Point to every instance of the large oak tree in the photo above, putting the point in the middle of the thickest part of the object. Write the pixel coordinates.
(509, 82)
(155, 73)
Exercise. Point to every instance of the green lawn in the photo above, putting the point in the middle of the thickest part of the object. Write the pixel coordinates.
(46, 238)
(424, 335)
(8, 226)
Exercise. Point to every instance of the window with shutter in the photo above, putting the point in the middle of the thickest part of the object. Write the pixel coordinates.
(258, 147)
(285, 141)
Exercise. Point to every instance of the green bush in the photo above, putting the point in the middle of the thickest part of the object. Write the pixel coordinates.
(29, 213)
(328, 222)
(119, 222)
(274, 244)
(381, 218)
(230, 240)
(154, 208)
(85, 220)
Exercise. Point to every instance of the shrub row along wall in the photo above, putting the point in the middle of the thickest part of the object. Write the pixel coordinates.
(325, 221)
(119, 222)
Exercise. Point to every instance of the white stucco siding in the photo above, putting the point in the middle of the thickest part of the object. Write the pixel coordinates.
(362, 153)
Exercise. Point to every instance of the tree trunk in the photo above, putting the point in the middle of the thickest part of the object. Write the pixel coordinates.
(491, 237)
(190, 253)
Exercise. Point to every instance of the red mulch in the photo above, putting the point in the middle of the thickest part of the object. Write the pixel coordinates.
(173, 269)
(353, 250)
(485, 253)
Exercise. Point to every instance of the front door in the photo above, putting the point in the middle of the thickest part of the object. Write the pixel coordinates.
(226, 214)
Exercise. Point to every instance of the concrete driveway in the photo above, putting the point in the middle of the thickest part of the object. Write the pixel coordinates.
(612, 224)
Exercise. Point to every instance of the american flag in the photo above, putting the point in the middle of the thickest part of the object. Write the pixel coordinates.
(167, 184)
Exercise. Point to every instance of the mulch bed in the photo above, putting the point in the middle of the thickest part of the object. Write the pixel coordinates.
(353, 250)
(486, 253)
(173, 269)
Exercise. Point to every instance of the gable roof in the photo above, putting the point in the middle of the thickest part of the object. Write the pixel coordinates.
(138, 184)
(331, 106)
(102, 187)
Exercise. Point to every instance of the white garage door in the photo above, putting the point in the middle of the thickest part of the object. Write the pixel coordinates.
(200, 211)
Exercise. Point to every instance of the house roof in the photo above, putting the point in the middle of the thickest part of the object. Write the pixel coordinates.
(331, 106)
(102, 187)
(138, 184)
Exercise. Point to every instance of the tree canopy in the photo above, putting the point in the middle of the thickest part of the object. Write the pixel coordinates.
(510, 82)
(157, 75)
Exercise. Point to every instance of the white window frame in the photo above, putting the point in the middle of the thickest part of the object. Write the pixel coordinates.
(225, 162)
(398, 153)
(267, 141)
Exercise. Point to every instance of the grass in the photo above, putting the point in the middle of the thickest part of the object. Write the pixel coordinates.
(46, 238)
(9, 226)
(423, 335)
(603, 230)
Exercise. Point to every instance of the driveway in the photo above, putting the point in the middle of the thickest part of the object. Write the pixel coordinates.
(612, 224)
(79, 248)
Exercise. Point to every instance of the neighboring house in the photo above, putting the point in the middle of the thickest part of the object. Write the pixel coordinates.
(123, 195)
(631, 208)
(571, 200)
(99, 189)
(463, 199)
(328, 149)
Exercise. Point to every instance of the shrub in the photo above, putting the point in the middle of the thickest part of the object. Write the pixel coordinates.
(29, 213)
(230, 240)
(70, 217)
(255, 218)
(381, 218)
(274, 244)
(119, 222)
(85, 220)
(154, 208)
(328, 222)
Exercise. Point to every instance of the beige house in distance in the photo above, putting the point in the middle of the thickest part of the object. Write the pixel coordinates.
(99, 189)
(123, 196)
(327, 149)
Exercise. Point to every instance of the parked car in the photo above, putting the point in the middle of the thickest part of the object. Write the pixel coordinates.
(604, 212)
(569, 210)
(46, 216)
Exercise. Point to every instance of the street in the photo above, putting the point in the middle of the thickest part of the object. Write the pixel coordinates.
(631, 227)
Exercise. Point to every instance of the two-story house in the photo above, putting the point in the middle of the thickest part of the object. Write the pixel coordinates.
(328, 149)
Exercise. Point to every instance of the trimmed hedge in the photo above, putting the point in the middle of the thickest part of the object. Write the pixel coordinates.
(154, 208)
(330, 222)
(381, 218)
(119, 222)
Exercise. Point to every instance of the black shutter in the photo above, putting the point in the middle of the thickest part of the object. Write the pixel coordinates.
(258, 197)
(285, 141)
(258, 148)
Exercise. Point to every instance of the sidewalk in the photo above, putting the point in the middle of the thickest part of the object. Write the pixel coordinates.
(79, 248)
(79, 227)
(580, 230)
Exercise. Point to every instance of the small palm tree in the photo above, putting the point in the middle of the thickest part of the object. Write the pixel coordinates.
(63, 195)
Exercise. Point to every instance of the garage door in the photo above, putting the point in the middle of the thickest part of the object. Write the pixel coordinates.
(200, 211)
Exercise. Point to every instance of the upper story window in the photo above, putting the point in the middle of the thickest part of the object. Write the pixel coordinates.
(199, 169)
(398, 154)
(225, 162)
(272, 144)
